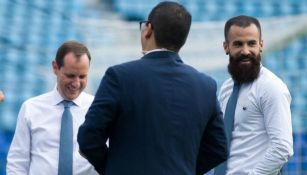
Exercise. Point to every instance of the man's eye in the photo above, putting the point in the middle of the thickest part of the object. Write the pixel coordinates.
(70, 76)
(236, 44)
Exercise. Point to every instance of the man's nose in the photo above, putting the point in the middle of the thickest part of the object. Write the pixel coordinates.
(245, 50)
(76, 82)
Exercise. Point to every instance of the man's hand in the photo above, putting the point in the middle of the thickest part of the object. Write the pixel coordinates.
(1, 96)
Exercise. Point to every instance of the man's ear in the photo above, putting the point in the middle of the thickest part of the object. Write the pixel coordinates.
(261, 45)
(148, 31)
(226, 47)
(55, 67)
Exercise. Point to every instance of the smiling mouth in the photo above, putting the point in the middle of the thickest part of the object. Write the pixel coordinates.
(245, 60)
(73, 91)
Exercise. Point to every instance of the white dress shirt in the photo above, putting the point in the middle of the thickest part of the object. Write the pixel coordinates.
(262, 137)
(35, 146)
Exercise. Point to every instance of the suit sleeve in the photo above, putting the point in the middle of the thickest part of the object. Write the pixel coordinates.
(95, 130)
(18, 159)
(213, 149)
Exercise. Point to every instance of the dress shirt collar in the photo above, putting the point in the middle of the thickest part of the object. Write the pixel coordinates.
(57, 98)
(154, 50)
(163, 54)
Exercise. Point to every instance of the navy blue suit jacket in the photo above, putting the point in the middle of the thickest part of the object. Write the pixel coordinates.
(161, 117)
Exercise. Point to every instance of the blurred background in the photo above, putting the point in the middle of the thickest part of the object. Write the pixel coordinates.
(32, 30)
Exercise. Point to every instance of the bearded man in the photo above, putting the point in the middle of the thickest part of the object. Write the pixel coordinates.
(256, 105)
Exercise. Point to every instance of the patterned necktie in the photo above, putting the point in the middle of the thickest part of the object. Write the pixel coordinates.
(66, 141)
(229, 122)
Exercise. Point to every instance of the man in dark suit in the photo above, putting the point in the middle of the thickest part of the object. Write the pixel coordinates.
(160, 115)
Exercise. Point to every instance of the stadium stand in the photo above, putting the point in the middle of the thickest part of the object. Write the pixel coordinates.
(31, 31)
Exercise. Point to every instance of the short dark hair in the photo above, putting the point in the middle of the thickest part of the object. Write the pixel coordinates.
(241, 21)
(71, 46)
(171, 24)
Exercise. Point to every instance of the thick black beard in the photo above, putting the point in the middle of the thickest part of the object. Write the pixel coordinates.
(243, 73)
